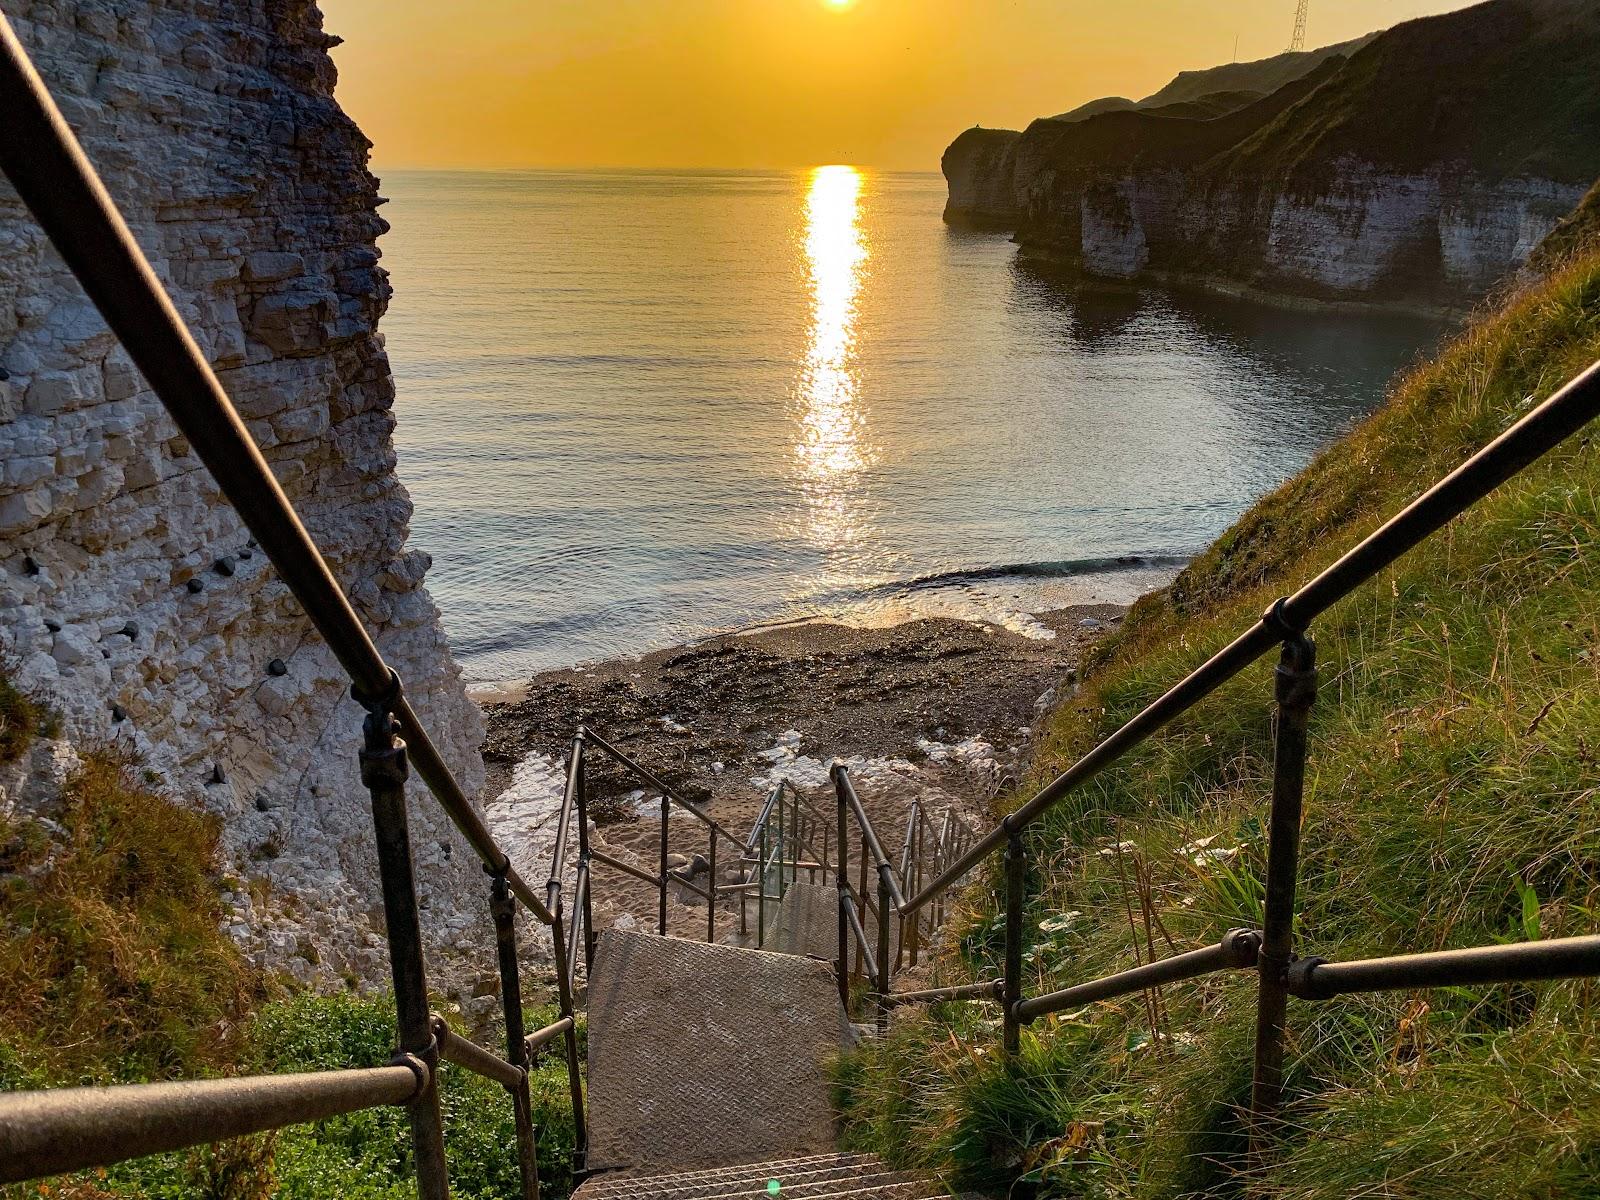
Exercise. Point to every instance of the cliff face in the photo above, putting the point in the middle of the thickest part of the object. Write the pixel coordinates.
(1418, 172)
(981, 165)
(130, 597)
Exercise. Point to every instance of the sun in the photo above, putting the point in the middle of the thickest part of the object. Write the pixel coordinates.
(837, 3)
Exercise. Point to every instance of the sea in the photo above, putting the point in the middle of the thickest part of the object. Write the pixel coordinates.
(637, 408)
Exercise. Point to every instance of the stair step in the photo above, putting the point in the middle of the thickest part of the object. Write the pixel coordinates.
(793, 1168)
(806, 922)
(829, 1177)
(792, 1186)
(702, 1055)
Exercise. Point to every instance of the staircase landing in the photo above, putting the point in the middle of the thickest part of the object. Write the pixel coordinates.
(703, 1055)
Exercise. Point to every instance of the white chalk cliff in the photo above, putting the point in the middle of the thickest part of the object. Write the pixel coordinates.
(130, 596)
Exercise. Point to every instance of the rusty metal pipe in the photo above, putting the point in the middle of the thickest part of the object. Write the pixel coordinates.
(1236, 951)
(74, 1129)
(993, 990)
(543, 1037)
(657, 784)
(1522, 962)
(863, 951)
(473, 1057)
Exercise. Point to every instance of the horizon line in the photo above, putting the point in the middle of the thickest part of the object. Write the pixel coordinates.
(380, 167)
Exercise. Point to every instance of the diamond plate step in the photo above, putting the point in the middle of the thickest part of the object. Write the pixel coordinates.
(619, 1184)
(806, 923)
(827, 1177)
(701, 1055)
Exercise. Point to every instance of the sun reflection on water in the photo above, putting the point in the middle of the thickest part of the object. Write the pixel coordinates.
(832, 447)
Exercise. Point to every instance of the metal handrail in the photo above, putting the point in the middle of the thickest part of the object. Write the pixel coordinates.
(548, 1034)
(1548, 425)
(880, 860)
(44, 162)
(854, 905)
(1519, 962)
(1238, 949)
(990, 990)
(1280, 973)
(659, 785)
(75, 1129)
(469, 1055)
(847, 905)
(626, 868)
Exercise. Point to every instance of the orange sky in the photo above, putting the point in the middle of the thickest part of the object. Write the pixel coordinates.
(771, 83)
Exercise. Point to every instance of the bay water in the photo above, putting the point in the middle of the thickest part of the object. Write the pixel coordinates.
(636, 408)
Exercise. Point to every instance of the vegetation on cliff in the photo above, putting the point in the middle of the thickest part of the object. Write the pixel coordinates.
(1504, 89)
(116, 969)
(1451, 800)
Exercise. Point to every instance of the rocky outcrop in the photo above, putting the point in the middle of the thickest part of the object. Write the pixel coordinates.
(131, 598)
(980, 167)
(1417, 172)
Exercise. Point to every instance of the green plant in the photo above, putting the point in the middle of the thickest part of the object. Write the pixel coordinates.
(21, 720)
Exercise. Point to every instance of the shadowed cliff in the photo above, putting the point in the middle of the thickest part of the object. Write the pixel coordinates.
(1417, 168)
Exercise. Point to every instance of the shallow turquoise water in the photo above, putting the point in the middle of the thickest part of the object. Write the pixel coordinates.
(638, 407)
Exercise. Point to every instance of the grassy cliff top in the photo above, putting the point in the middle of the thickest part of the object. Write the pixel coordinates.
(1261, 76)
(1453, 799)
(1507, 88)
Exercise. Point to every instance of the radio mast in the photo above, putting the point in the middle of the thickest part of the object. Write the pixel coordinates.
(1298, 42)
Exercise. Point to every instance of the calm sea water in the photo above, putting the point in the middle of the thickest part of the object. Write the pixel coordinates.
(639, 407)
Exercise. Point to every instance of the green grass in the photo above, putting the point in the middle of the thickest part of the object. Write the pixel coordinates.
(1451, 801)
(114, 969)
(21, 720)
(1505, 88)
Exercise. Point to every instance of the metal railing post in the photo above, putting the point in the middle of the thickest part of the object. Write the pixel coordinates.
(915, 882)
(383, 772)
(885, 967)
(504, 910)
(794, 842)
(582, 805)
(711, 886)
(666, 826)
(1016, 867)
(841, 878)
(558, 938)
(1295, 686)
(761, 891)
(861, 892)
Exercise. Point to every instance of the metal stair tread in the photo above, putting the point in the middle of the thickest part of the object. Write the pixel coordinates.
(822, 1177)
(699, 1052)
(823, 1184)
(798, 1168)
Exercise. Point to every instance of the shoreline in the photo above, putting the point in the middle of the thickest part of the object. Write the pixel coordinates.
(1089, 583)
(937, 708)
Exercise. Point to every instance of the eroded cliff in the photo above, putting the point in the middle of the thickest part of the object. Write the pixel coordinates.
(131, 599)
(1417, 171)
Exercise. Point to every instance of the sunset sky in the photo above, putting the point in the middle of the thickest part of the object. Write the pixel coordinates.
(772, 83)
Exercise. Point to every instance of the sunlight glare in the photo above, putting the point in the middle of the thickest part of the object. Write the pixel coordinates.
(831, 448)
